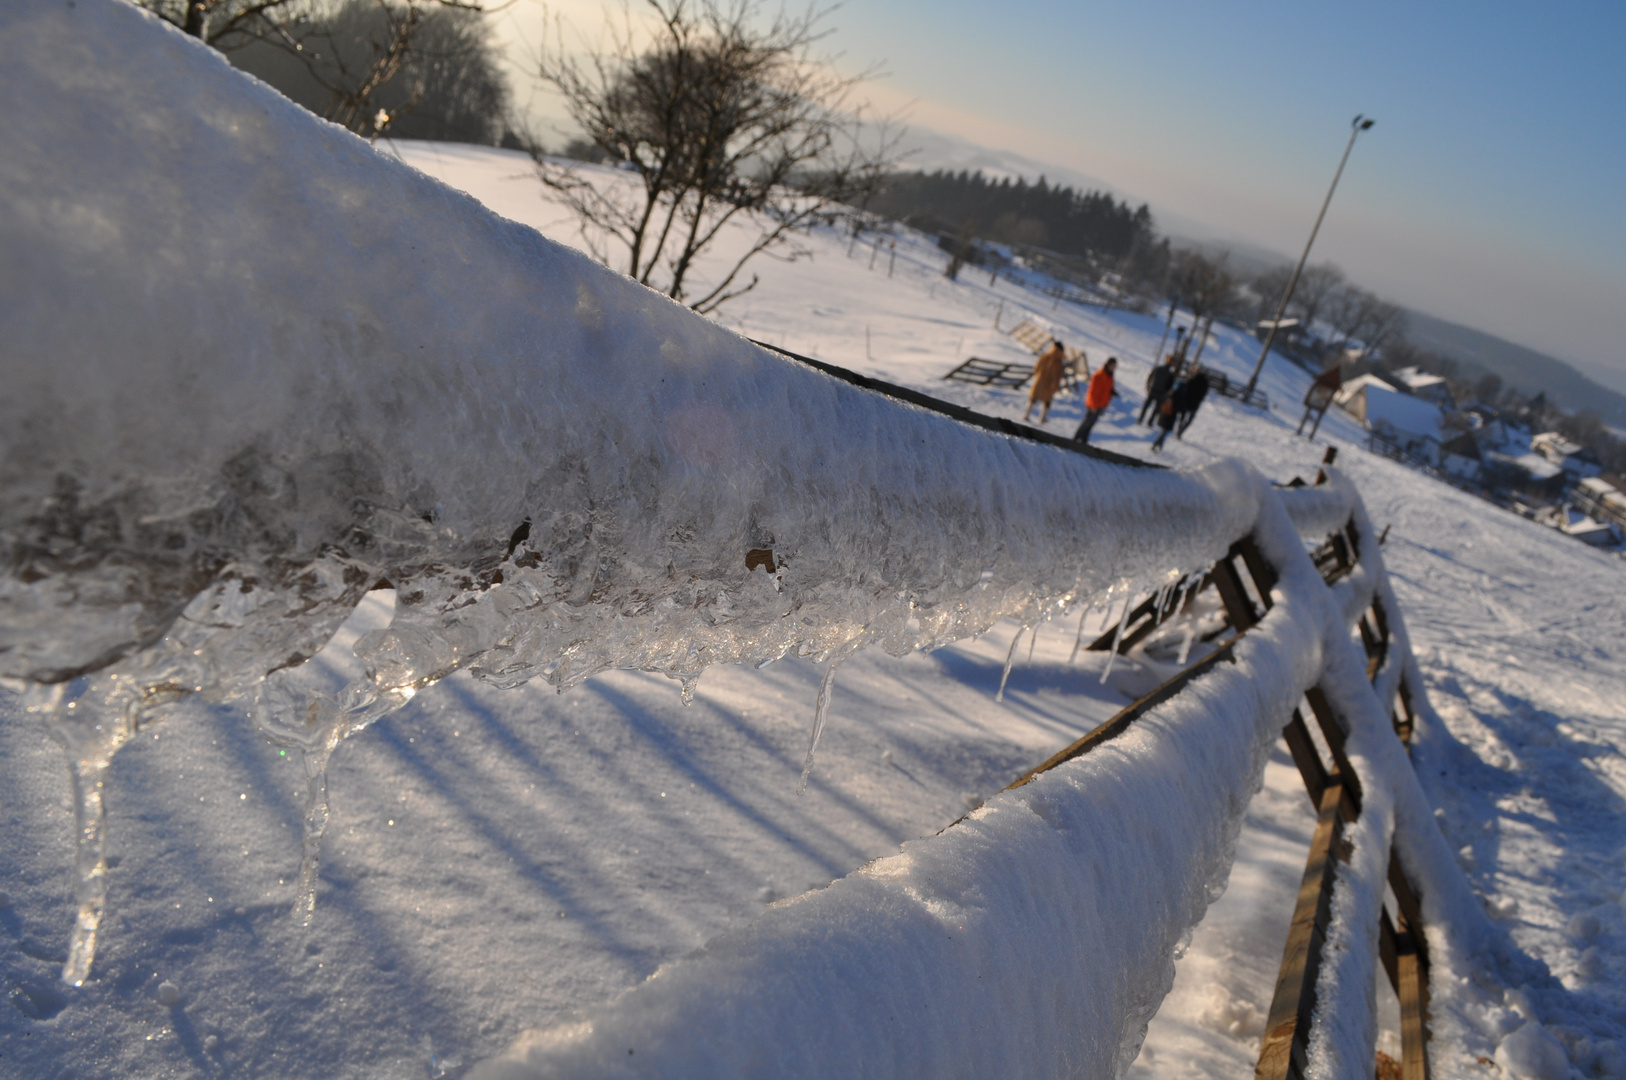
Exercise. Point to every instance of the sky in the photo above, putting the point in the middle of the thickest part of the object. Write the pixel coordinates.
(1488, 192)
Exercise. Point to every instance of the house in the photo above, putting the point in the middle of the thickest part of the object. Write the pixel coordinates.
(1521, 471)
(1601, 499)
(1578, 462)
(1491, 432)
(1411, 423)
(1459, 457)
(1428, 387)
(1589, 530)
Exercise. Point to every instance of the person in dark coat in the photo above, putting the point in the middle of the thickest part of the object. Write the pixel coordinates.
(1166, 415)
(1190, 398)
(1158, 384)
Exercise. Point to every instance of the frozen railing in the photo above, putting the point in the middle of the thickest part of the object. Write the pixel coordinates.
(561, 473)
(1075, 884)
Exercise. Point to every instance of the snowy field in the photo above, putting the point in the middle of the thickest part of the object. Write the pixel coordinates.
(499, 860)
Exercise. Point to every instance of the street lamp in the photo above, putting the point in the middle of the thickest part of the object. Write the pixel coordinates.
(1358, 125)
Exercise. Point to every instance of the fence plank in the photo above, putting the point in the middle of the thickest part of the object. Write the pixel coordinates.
(1117, 725)
(1306, 757)
(1283, 1048)
(1413, 994)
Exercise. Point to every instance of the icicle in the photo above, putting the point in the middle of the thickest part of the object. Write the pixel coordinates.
(90, 864)
(1033, 639)
(1191, 633)
(1078, 641)
(314, 726)
(1129, 602)
(312, 829)
(1191, 622)
(821, 711)
(691, 682)
(1009, 656)
(91, 735)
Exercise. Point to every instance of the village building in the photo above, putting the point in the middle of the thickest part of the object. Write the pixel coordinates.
(1578, 462)
(1585, 528)
(1490, 430)
(1459, 457)
(1428, 387)
(1601, 499)
(1411, 424)
(1521, 470)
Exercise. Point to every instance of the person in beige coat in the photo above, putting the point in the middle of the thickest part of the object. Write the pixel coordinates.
(1047, 374)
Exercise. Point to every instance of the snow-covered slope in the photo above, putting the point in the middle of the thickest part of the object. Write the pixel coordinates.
(500, 859)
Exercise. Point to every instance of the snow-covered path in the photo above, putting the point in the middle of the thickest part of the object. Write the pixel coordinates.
(500, 859)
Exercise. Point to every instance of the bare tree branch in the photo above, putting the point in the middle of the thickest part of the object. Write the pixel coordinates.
(719, 120)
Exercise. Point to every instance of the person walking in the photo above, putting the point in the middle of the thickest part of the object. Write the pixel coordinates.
(1191, 395)
(1159, 381)
(1047, 373)
(1097, 398)
(1166, 416)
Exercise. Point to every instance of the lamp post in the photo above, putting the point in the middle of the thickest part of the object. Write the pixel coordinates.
(1358, 125)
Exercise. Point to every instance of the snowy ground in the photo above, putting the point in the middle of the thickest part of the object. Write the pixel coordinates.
(500, 859)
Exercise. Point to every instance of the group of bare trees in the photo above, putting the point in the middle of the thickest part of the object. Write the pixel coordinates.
(721, 118)
(1324, 298)
(421, 68)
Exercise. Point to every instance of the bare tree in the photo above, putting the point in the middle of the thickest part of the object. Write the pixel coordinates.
(1267, 290)
(225, 24)
(1362, 316)
(351, 49)
(1316, 284)
(1204, 284)
(1208, 289)
(724, 117)
(1344, 309)
(1381, 323)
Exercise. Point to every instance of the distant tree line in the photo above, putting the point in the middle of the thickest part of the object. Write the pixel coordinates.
(420, 69)
(1090, 226)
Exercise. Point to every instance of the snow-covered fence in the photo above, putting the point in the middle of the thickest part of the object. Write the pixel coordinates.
(1034, 937)
(1244, 581)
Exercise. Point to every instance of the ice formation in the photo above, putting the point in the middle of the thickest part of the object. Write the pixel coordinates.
(297, 368)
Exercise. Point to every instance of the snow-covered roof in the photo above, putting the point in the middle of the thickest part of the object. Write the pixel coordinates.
(1590, 530)
(1551, 442)
(1388, 407)
(1417, 380)
(1537, 466)
(1598, 487)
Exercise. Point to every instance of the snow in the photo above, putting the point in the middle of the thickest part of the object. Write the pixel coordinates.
(502, 860)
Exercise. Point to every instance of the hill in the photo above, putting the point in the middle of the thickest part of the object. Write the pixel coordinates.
(1518, 365)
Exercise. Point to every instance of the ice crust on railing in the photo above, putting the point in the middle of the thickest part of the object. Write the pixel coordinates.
(1035, 939)
(1112, 849)
(255, 368)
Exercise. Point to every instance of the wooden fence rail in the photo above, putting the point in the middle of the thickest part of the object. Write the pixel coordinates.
(1243, 580)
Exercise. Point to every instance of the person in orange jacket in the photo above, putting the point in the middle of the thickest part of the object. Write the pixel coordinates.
(1047, 375)
(1098, 397)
